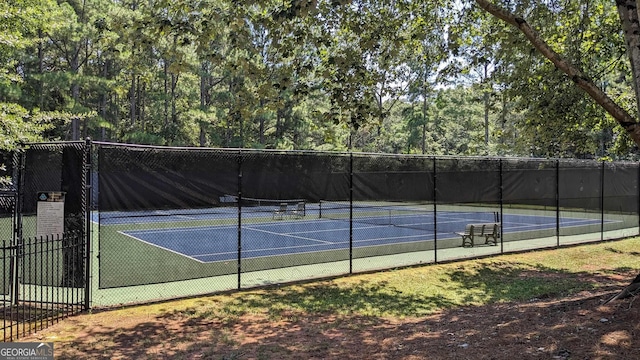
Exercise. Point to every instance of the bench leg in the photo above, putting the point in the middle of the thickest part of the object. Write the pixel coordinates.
(490, 239)
(467, 240)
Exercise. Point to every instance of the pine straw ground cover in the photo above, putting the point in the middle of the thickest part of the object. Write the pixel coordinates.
(539, 305)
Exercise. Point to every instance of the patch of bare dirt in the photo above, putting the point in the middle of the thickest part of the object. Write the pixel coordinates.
(575, 327)
(578, 327)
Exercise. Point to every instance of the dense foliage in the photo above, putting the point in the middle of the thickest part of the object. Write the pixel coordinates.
(402, 76)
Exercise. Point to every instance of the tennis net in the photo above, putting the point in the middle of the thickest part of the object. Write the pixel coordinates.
(226, 208)
(268, 204)
(413, 216)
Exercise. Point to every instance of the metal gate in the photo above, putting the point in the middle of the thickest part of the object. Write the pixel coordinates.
(45, 272)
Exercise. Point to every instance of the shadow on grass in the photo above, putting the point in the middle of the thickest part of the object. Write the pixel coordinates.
(370, 320)
(505, 281)
(621, 252)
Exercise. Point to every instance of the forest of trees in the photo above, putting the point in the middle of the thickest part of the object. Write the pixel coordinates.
(397, 76)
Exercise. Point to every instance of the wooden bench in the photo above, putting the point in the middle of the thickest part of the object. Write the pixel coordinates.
(467, 235)
(490, 231)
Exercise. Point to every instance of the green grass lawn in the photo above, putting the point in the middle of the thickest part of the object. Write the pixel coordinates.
(419, 291)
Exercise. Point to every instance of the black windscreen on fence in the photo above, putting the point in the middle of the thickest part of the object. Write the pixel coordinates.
(56, 168)
(246, 217)
(44, 232)
(468, 181)
(620, 188)
(173, 222)
(530, 182)
(132, 178)
(8, 203)
(390, 178)
(580, 185)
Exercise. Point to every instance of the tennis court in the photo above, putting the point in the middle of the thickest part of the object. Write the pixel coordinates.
(318, 234)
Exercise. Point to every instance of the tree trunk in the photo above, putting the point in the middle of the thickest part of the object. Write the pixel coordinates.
(261, 122)
(103, 100)
(627, 121)
(141, 96)
(40, 71)
(166, 93)
(203, 100)
(486, 105)
(628, 11)
(424, 110)
(132, 100)
(174, 84)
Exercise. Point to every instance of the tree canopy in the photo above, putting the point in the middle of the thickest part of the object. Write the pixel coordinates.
(436, 77)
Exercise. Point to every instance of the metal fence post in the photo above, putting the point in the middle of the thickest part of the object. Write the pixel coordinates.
(558, 202)
(88, 173)
(435, 211)
(239, 217)
(602, 168)
(501, 206)
(15, 257)
(350, 212)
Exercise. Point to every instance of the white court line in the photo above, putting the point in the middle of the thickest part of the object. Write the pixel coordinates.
(130, 233)
(313, 245)
(161, 247)
(155, 231)
(574, 222)
(289, 235)
(264, 249)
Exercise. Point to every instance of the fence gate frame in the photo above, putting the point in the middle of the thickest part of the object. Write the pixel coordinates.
(46, 278)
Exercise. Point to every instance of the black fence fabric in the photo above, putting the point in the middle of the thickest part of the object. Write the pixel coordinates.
(164, 178)
(45, 275)
(530, 182)
(620, 187)
(177, 214)
(56, 168)
(169, 218)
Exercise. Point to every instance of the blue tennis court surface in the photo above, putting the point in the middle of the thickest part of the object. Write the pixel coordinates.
(297, 236)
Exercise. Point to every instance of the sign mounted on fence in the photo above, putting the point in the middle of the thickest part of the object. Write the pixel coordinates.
(50, 213)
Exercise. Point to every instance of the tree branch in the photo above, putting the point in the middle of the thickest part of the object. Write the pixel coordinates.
(627, 121)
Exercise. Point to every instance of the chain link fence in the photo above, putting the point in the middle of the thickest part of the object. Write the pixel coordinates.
(160, 222)
(44, 230)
